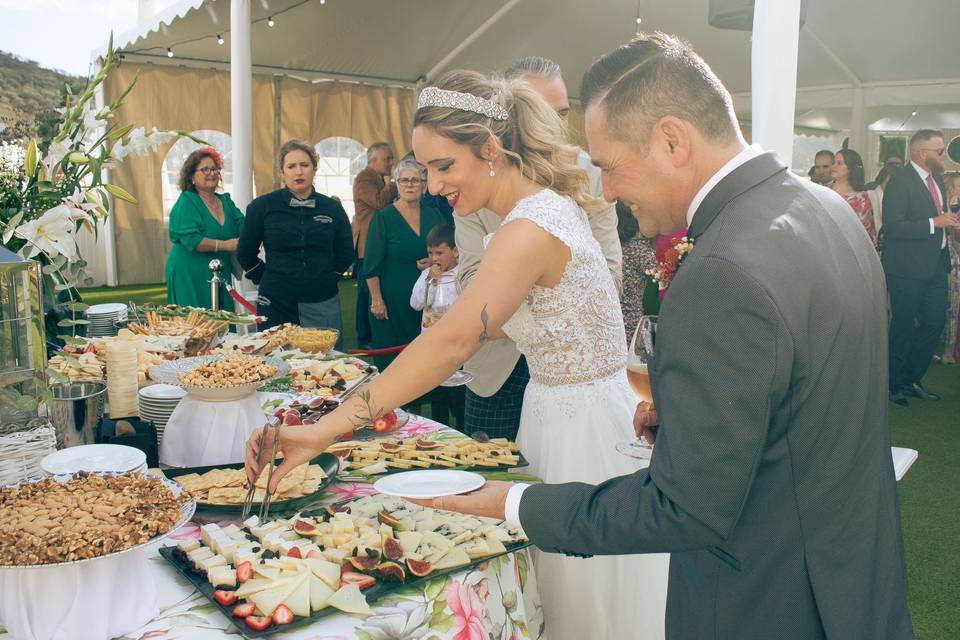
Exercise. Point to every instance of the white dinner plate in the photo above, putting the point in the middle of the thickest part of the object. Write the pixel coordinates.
(458, 379)
(163, 392)
(429, 483)
(93, 458)
(110, 308)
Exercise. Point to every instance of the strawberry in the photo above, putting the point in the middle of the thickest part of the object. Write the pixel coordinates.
(295, 552)
(282, 615)
(258, 623)
(244, 610)
(244, 571)
(385, 423)
(90, 348)
(226, 598)
(361, 580)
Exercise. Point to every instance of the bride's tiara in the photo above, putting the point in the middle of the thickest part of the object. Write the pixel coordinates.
(434, 97)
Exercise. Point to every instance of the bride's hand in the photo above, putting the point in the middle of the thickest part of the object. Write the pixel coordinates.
(299, 444)
(645, 421)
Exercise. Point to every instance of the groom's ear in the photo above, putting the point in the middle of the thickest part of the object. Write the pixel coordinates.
(673, 135)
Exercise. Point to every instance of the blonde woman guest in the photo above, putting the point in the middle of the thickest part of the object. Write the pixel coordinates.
(849, 182)
(204, 225)
(490, 143)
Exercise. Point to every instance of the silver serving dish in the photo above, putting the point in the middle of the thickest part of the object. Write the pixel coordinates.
(169, 373)
(186, 512)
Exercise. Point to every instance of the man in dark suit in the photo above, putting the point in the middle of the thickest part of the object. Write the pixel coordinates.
(771, 482)
(916, 263)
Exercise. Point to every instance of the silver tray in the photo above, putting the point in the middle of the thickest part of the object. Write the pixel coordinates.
(169, 373)
(186, 512)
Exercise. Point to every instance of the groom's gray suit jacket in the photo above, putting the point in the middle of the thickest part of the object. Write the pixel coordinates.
(771, 482)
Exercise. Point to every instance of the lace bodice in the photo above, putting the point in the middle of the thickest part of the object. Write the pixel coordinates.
(571, 333)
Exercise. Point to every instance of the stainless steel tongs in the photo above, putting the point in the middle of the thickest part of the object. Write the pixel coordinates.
(273, 423)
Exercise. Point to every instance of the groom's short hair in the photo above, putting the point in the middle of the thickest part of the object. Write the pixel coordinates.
(653, 76)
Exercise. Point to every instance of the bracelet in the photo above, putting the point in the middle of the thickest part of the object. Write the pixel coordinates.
(216, 246)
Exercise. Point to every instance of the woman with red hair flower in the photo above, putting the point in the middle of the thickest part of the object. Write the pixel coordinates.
(204, 225)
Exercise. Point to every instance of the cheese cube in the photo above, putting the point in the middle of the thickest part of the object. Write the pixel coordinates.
(199, 554)
(221, 577)
(214, 561)
(251, 522)
(207, 530)
(189, 545)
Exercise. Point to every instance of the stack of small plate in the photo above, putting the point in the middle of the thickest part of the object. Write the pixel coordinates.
(105, 458)
(157, 402)
(102, 317)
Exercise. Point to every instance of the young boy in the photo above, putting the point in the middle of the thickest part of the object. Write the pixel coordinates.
(434, 293)
(436, 288)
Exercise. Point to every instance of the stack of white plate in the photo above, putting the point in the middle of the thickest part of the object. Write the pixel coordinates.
(107, 458)
(102, 317)
(157, 402)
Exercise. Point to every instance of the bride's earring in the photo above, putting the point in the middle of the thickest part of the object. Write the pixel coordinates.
(492, 172)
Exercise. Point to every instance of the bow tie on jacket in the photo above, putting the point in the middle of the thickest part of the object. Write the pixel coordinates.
(310, 204)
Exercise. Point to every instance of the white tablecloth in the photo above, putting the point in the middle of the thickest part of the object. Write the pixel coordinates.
(104, 598)
(203, 433)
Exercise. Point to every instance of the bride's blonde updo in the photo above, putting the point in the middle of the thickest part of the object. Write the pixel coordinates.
(533, 138)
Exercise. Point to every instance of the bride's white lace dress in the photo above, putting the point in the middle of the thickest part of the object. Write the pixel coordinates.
(576, 407)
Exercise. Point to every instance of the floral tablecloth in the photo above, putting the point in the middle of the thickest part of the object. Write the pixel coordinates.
(496, 600)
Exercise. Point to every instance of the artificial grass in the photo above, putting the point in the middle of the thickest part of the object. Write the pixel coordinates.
(929, 493)
(930, 503)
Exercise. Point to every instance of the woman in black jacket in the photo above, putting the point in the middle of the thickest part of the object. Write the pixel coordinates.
(308, 244)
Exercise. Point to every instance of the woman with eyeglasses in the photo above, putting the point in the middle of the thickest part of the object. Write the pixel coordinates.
(395, 254)
(204, 225)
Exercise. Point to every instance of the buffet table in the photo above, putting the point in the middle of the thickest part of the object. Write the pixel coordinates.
(497, 597)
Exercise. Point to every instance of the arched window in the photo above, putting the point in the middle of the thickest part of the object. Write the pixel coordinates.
(341, 159)
(178, 154)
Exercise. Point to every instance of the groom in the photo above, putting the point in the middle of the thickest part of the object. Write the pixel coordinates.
(771, 482)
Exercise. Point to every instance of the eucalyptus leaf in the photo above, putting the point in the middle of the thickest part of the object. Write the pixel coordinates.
(49, 269)
(63, 286)
(78, 306)
(57, 377)
(68, 339)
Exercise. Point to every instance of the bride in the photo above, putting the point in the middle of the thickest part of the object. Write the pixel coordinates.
(496, 144)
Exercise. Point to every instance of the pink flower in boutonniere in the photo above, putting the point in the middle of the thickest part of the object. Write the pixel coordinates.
(670, 261)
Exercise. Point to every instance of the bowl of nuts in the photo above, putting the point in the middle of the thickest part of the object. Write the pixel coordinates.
(314, 340)
(220, 378)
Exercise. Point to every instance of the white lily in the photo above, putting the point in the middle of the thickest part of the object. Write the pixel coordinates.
(55, 153)
(51, 233)
(160, 138)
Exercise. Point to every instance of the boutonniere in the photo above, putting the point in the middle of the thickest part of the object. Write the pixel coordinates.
(673, 257)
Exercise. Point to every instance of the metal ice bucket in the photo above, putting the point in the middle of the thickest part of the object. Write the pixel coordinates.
(75, 410)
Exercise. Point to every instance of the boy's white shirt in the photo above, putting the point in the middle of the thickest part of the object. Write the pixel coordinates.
(448, 282)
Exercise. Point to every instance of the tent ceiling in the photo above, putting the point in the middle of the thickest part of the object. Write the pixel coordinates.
(843, 43)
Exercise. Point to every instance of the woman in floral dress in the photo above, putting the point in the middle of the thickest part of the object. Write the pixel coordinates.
(848, 181)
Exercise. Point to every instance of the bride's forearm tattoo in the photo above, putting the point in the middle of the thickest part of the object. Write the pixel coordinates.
(484, 318)
(368, 411)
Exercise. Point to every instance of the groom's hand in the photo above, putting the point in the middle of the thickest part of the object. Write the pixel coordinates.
(489, 500)
(646, 421)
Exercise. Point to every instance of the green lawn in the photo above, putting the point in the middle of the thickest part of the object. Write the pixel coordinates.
(929, 494)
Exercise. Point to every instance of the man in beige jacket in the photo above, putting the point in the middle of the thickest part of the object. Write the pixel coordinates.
(495, 395)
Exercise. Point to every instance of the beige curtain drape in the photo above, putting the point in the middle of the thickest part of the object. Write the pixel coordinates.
(193, 99)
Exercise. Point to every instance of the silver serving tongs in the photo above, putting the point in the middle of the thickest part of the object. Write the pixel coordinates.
(273, 423)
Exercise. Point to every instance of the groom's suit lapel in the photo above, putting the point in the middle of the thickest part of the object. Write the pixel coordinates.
(739, 181)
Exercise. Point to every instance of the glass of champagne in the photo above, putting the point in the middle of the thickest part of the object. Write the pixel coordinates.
(639, 356)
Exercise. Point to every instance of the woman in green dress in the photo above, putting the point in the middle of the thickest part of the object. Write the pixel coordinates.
(395, 254)
(204, 225)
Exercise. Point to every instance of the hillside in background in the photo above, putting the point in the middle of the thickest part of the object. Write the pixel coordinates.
(28, 96)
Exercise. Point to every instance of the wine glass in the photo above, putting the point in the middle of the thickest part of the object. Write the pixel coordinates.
(639, 356)
(438, 302)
